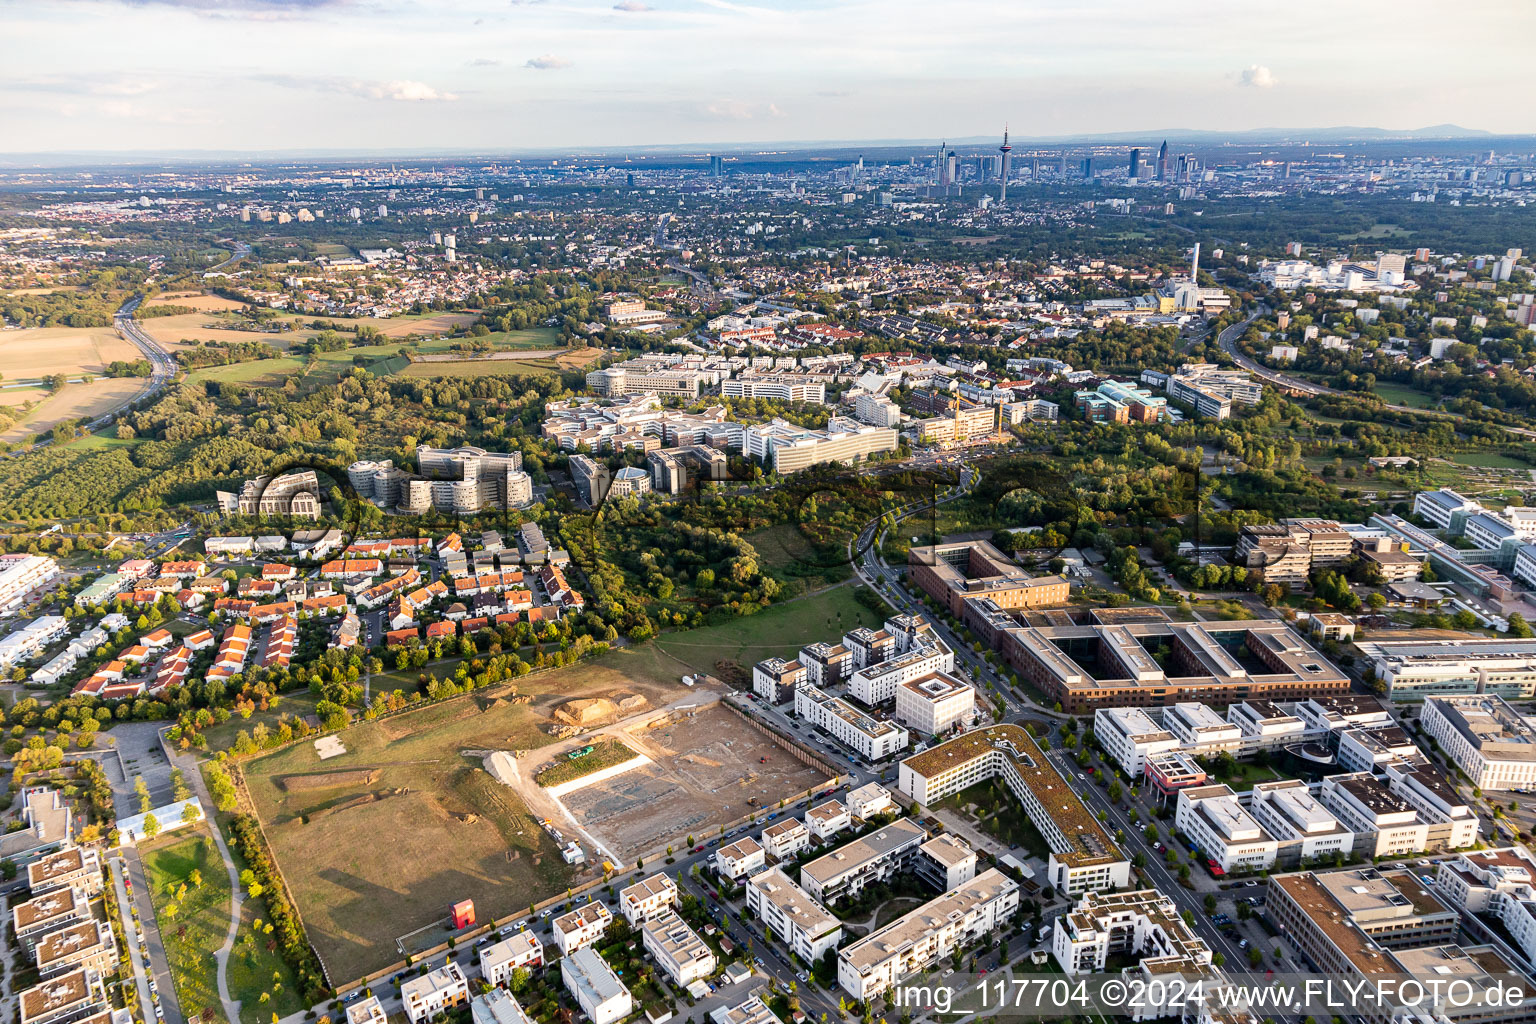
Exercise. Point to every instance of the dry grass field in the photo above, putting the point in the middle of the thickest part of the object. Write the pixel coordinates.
(440, 323)
(75, 401)
(39, 351)
(170, 331)
(414, 785)
(198, 301)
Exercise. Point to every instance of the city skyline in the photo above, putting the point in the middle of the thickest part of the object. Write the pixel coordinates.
(388, 75)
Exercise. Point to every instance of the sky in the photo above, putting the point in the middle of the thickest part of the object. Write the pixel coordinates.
(507, 75)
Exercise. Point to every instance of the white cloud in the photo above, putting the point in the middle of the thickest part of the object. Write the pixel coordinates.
(403, 90)
(408, 91)
(1258, 76)
(548, 62)
(632, 7)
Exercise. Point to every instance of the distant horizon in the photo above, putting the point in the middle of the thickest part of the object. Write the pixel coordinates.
(1321, 136)
(382, 76)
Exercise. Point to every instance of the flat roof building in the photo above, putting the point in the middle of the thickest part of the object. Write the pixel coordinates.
(804, 925)
(677, 950)
(598, 990)
(873, 857)
(1486, 738)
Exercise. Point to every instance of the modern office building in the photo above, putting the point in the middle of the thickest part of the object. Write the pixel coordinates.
(1083, 855)
(1130, 736)
(1499, 883)
(935, 703)
(961, 573)
(590, 478)
(1417, 669)
(292, 494)
(1486, 738)
(786, 448)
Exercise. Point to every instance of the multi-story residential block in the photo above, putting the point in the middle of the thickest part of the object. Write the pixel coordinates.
(52, 910)
(786, 838)
(648, 898)
(945, 862)
(368, 1011)
(869, 800)
(1486, 738)
(677, 950)
(598, 990)
(84, 944)
(744, 857)
(581, 927)
(867, 647)
(877, 683)
(775, 679)
(500, 959)
(1389, 559)
(800, 922)
(1417, 669)
(75, 996)
(871, 858)
(917, 940)
(435, 992)
(1143, 924)
(876, 410)
(22, 575)
(1083, 855)
(826, 820)
(935, 703)
(75, 868)
(1279, 552)
(1223, 831)
(872, 738)
(826, 665)
(751, 1010)
(495, 1007)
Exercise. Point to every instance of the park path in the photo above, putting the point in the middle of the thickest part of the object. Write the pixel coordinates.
(189, 769)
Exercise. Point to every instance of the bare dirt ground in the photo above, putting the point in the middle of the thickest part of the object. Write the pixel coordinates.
(75, 401)
(39, 351)
(706, 765)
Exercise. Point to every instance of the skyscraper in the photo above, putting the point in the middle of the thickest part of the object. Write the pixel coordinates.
(941, 166)
(952, 168)
(1135, 168)
(1162, 162)
(1005, 168)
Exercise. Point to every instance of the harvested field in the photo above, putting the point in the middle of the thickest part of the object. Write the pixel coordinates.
(440, 323)
(198, 300)
(75, 401)
(706, 766)
(171, 331)
(40, 351)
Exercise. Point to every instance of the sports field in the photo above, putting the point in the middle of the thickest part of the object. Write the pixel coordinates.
(413, 786)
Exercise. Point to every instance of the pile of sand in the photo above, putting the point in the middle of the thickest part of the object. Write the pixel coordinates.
(587, 711)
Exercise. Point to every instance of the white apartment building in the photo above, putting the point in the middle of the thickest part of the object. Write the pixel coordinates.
(434, 992)
(920, 939)
(744, 857)
(784, 839)
(500, 959)
(788, 911)
(581, 927)
(1500, 883)
(367, 1011)
(1143, 924)
(826, 820)
(1130, 736)
(1199, 726)
(872, 738)
(871, 858)
(1223, 831)
(945, 862)
(22, 575)
(677, 950)
(495, 1007)
(751, 1010)
(775, 679)
(1486, 738)
(878, 683)
(932, 704)
(1362, 803)
(869, 800)
(598, 990)
(1288, 811)
(646, 899)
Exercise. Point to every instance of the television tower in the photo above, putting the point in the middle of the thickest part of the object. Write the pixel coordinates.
(1006, 150)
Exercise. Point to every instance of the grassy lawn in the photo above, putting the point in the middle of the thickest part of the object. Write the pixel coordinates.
(1488, 460)
(483, 368)
(298, 703)
(258, 370)
(1402, 394)
(788, 556)
(195, 930)
(780, 630)
(1247, 774)
(103, 442)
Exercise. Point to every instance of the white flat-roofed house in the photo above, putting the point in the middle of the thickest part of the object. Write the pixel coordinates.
(496, 1007)
(1200, 729)
(1223, 831)
(598, 990)
(744, 857)
(500, 959)
(1305, 830)
(933, 704)
(873, 857)
(828, 819)
(784, 839)
(1130, 736)
(1486, 738)
(752, 1010)
(804, 925)
(677, 950)
(367, 1011)
(918, 940)
(646, 899)
(946, 862)
(434, 992)
(869, 800)
(581, 927)
(1364, 804)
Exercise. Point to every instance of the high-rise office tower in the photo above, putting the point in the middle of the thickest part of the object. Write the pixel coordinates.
(1087, 167)
(952, 168)
(1162, 162)
(941, 166)
(1135, 167)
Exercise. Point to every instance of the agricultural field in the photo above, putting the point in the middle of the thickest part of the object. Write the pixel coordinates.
(37, 352)
(483, 368)
(214, 325)
(417, 782)
(72, 402)
(196, 929)
(200, 301)
(430, 323)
